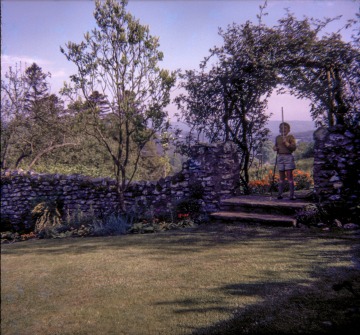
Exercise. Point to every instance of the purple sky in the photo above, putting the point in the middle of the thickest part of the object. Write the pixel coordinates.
(33, 31)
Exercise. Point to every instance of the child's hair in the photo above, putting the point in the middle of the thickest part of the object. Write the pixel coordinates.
(285, 125)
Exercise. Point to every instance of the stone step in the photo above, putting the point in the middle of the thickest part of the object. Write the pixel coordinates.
(242, 217)
(260, 209)
(264, 205)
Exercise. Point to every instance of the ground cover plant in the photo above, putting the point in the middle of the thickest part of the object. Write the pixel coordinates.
(212, 279)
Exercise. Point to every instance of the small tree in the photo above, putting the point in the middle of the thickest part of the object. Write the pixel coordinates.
(229, 101)
(33, 123)
(119, 59)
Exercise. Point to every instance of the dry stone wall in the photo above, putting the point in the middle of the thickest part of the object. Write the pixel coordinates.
(212, 167)
(337, 166)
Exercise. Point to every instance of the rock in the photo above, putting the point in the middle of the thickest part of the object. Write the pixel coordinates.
(351, 226)
(337, 223)
(338, 185)
(334, 178)
(7, 235)
(149, 229)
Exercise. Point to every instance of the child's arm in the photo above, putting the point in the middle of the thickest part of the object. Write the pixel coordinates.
(275, 147)
(290, 142)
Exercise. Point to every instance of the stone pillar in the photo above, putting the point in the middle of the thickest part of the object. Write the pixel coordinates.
(337, 166)
(216, 167)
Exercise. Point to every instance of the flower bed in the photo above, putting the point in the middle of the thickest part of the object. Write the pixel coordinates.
(303, 181)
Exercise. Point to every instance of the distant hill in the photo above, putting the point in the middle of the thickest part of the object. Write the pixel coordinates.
(296, 126)
(302, 130)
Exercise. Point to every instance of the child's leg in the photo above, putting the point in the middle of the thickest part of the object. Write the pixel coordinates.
(281, 184)
(290, 178)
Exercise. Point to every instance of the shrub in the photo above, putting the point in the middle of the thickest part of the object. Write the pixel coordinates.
(261, 186)
(189, 206)
(311, 214)
(114, 224)
(46, 215)
(302, 179)
(79, 218)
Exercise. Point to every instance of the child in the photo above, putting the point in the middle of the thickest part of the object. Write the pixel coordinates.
(285, 145)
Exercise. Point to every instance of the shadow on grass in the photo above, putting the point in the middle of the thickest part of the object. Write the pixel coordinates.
(287, 307)
(187, 240)
(330, 304)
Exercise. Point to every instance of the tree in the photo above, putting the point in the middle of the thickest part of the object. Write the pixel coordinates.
(38, 87)
(32, 118)
(324, 69)
(119, 59)
(267, 153)
(13, 91)
(229, 101)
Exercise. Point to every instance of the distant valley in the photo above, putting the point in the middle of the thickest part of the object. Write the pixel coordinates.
(302, 130)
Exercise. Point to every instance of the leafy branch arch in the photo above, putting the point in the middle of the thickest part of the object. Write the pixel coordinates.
(226, 98)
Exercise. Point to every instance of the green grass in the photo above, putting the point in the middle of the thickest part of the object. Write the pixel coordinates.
(218, 279)
(305, 164)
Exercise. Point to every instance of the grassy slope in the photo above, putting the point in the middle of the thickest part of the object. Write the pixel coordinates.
(220, 279)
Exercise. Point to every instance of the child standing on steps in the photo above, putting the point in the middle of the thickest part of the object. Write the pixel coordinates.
(285, 145)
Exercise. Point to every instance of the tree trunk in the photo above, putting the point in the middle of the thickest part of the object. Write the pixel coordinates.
(331, 110)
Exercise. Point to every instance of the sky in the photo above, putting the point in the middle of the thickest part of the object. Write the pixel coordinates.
(33, 31)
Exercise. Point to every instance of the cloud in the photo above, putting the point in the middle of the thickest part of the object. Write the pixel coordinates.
(58, 74)
(12, 60)
(25, 61)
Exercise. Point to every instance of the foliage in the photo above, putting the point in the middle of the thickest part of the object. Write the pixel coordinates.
(33, 123)
(228, 102)
(326, 214)
(266, 153)
(324, 69)
(302, 180)
(304, 150)
(114, 224)
(154, 226)
(311, 214)
(189, 206)
(125, 91)
(78, 218)
(227, 98)
(46, 215)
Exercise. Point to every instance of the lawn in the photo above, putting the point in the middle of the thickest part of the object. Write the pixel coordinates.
(215, 279)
